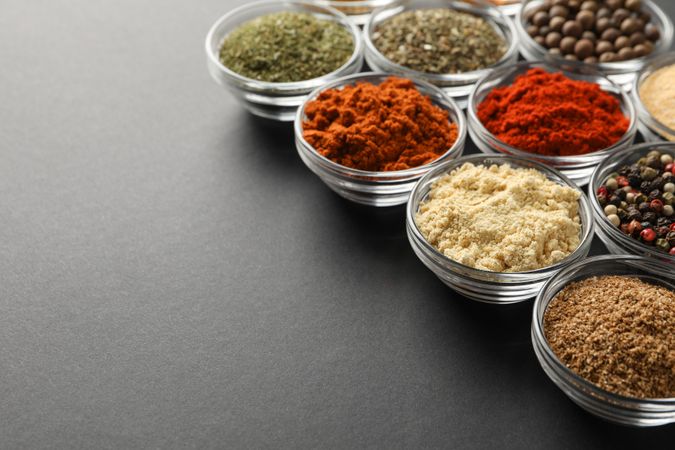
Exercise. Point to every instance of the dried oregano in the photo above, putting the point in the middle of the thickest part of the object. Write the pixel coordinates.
(286, 46)
(439, 40)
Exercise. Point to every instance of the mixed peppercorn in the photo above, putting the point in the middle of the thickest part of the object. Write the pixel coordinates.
(639, 199)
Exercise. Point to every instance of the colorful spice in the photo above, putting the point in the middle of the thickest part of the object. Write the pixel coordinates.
(616, 332)
(640, 199)
(657, 93)
(385, 127)
(286, 47)
(550, 114)
(500, 218)
(592, 30)
(439, 40)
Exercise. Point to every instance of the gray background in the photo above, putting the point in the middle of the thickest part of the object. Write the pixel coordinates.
(171, 275)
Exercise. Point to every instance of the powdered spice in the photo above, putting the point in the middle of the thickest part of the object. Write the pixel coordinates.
(385, 127)
(550, 114)
(500, 218)
(617, 332)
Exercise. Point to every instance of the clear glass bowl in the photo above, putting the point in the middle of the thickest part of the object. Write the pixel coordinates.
(613, 238)
(621, 72)
(510, 8)
(650, 128)
(482, 285)
(458, 86)
(358, 10)
(609, 406)
(376, 188)
(277, 101)
(578, 167)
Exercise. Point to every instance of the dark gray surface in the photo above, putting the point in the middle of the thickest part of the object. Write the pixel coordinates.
(171, 275)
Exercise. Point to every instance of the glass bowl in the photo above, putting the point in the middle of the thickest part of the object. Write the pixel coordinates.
(577, 167)
(277, 101)
(621, 72)
(609, 406)
(357, 10)
(376, 188)
(650, 128)
(482, 285)
(508, 7)
(613, 238)
(458, 86)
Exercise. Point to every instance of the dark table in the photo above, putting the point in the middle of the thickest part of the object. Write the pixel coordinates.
(171, 275)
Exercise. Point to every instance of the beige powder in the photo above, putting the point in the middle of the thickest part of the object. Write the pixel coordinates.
(658, 95)
(500, 218)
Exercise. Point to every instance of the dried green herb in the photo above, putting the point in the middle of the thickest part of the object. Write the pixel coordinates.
(286, 47)
(439, 41)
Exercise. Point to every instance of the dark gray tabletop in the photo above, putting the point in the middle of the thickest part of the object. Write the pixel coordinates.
(171, 275)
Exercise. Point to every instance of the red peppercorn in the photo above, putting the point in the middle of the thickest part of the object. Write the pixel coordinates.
(672, 226)
(602, 190)
(672, 251)
(634, 227)
(656, 205)
(622, 181)
(648, 235)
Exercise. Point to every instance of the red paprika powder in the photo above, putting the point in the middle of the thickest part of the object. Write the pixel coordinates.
(550, 114)
(391, 126)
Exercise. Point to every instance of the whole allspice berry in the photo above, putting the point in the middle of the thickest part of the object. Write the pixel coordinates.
(556, 23)
(583, 48)
(590, 5)
(540, 19)
(633, 5)
(553, 39)
(567, 44)
(603, 47)
(572, 28)
(586, 19)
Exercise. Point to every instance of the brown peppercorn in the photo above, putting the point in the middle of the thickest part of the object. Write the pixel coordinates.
(572, 28)
(540, 19)
(586, 19)
(543, 31)
(558, 11)
(602, 24)
(590, 5)
(589, 35)
(574, 5)
(540, 40)
(555, 51)
(621, 42)
(652, 32)
(603, 12)
(629, 26)
(625, 54)
(607, 57)
(620, 15)
(567, 44)
(640, 50)
(583, 48)
(532, 30)
(610, 34)
(614, 4)
(591, 60)
(637, 38)
(571, 57)
(633, 5)
(603, 47)
(556, 23)
(553, 39)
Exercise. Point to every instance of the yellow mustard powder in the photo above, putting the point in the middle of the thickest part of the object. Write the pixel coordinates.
(500, 218)
(658, 95)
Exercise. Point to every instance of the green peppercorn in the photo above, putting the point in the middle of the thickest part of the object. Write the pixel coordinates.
(663, 244)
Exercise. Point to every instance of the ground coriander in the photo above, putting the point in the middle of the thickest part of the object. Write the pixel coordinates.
(658, 95)
(439, 40)
(286, 47)
(617, 332)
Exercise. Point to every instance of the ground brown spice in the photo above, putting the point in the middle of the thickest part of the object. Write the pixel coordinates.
(617, 332)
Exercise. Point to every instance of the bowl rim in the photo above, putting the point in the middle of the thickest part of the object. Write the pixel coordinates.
(489, 12)
(598, 211)
(566, 69)
(538, 328)
(284, 5)
(667, 33)
(449, 105)
(658, 62)
(586, 234)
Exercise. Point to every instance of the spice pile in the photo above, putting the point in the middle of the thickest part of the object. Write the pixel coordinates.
(616, 332)
(639, 199)
(440, 41)
(286, 47)
(500, 218)
(550, 114)
(385, 127)
(593, 30)
(657, 93)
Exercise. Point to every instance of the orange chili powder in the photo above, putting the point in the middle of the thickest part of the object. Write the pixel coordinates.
(550, 114)
(385, 127)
